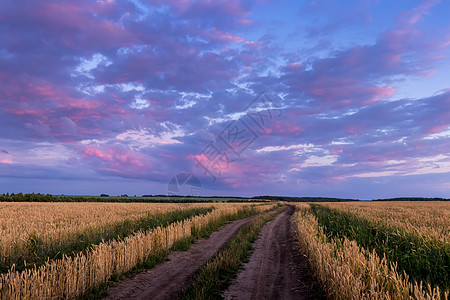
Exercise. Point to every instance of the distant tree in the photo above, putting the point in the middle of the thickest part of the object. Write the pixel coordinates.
(412, 199)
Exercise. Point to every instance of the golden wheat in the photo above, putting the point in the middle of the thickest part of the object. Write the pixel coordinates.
(348, 271)
(428, 219)
(71, 277)
(54, 223)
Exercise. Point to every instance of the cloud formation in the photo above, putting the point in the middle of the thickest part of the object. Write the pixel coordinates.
(135, 91)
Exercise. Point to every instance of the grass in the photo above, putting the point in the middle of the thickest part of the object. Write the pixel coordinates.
(348, 271)
(426, 260)
(73, 277)
(38, 252)
(161, 256)
(215, 276)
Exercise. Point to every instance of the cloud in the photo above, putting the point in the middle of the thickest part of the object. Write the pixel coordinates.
(136, 89)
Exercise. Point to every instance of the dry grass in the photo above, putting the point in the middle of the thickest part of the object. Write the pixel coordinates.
(348, 271)
(72, 277)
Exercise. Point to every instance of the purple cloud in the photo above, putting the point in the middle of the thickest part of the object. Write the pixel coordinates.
(132, 92)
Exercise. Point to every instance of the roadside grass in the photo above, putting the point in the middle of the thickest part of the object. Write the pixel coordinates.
(423, 259)
(216, 275)
(349, 271)
(39, 252)
(162, 255)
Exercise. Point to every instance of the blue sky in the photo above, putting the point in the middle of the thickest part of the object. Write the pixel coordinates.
(300, 98)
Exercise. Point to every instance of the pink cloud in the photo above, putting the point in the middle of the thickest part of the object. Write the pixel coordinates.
(6, 161)
(98, 153)
(439, 128)
(24, 111)
(285, 126)
(124, 162)
(214, 34)
(341, 91)
(233, 10)
(79, 103)
(66, 19)
(414, 15)
(336, 151)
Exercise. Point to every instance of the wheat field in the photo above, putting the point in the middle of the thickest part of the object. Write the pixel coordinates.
(348, 270)
(74, 275)
(425, 218)
(54, 224)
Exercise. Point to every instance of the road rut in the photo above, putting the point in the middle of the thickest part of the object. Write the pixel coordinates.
(277, 268)
(167, 280)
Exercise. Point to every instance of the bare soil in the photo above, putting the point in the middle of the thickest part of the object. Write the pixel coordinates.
(168, 279)
(278, 268)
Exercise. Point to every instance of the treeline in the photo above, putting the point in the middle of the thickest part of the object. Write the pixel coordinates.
(28, 197)
(20, 197)
(302, 199)
(412, 199)
(197, 197)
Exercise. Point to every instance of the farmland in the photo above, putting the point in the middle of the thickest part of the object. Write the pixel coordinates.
(340, 250)
(35, 231)
(28, 229)
(378, 250)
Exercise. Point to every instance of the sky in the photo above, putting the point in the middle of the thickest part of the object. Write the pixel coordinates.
(332, 98)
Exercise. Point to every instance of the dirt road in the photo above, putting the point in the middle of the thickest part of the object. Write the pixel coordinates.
(277, 268)
(168, 279)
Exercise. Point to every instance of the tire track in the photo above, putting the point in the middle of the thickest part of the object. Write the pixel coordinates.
(277, 268)
(167, 280)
